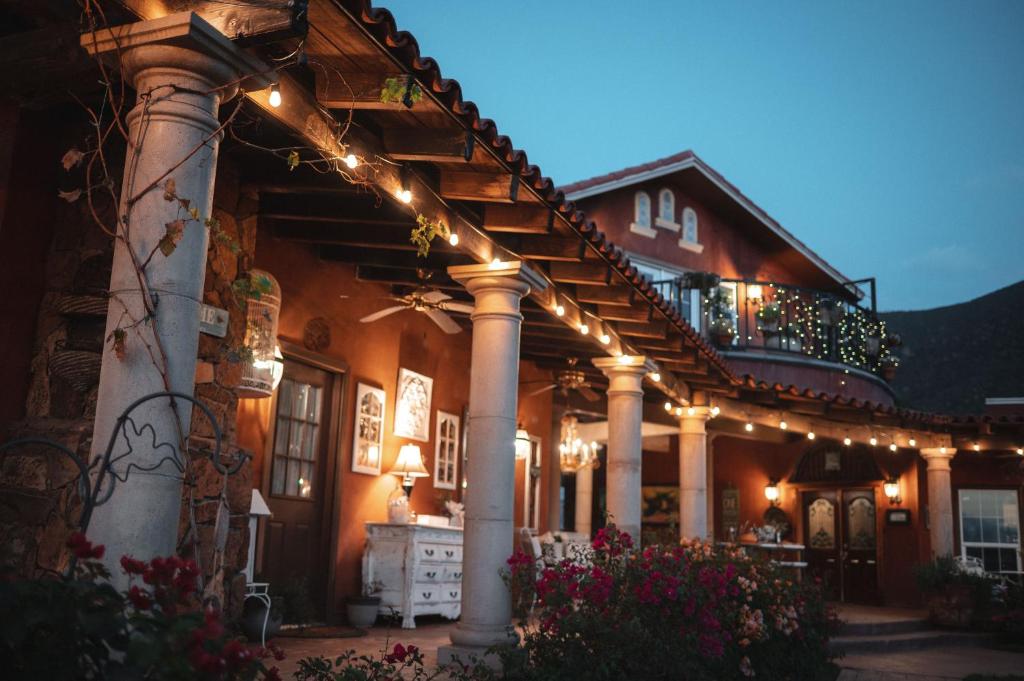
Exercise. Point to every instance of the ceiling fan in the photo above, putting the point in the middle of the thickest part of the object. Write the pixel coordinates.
(569, 379)
(430, 302)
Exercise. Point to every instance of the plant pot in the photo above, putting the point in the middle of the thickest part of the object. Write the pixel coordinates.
(253, 613)
(770, 328)
(952, 607)
(723, 339)
(362, 611)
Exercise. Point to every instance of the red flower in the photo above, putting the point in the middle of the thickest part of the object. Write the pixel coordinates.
(132, 566)
(398, 654)
(139, 598)
(83, 548)
(273, 674)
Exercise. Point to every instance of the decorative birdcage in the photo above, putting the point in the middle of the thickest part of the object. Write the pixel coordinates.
(262, 371)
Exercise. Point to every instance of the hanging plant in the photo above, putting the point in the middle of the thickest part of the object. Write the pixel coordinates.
(400, 90)
(425, 231)
(769, 316)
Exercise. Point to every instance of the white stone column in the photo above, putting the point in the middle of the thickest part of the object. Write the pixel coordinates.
(553, 476)
(493, 392)
(625, 420)
(182, 69)
(693, 473)
(584, 499)
(940, 499)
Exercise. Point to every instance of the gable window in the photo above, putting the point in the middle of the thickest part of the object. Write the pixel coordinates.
(688, 240)
(667, 211)
(642, 215)
(990, 528)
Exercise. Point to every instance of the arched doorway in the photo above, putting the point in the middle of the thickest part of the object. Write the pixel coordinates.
(838, 490)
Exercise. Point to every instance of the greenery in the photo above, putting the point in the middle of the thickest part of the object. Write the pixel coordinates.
(250, 285)
(425, 231)
(400, 90)
(403, 662)
(296, 605)
(81, 627)
(943, 571)
(666, 612)
(770, 313)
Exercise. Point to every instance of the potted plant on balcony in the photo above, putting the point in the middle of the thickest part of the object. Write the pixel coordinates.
(362, 610)
(722, 331)
(768, 317)
(887, 365)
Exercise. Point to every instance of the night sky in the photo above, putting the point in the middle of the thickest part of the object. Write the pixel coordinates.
(887, 136)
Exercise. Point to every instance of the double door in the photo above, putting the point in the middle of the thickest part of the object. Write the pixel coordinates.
(840, 532)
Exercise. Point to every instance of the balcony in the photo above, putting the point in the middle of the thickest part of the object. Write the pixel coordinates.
(778, 320)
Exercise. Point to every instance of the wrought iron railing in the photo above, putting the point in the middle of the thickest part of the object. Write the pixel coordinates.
(760, 315)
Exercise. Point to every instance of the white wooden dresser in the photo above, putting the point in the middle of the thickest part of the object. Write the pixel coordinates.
(418, 567)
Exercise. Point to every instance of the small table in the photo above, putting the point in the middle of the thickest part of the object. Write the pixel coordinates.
(260, 591)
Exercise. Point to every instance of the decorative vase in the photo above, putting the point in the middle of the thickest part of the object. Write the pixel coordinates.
(361, 611)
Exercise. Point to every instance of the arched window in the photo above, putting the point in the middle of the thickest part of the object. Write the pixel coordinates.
(667, 211)
(642, 215)
(689, 225)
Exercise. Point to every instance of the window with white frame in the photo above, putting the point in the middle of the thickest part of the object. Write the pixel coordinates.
(667, 211)
(642, 215)
(532, 491)
(686, 300)
(990, 528)
(446, 450)
(689, 226)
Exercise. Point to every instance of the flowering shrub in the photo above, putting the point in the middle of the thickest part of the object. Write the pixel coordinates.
(81, 627)
(676, 612)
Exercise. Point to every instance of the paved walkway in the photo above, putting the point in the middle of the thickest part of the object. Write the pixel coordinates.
(929, 665)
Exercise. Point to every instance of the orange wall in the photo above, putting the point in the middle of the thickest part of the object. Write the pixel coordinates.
(374, 353)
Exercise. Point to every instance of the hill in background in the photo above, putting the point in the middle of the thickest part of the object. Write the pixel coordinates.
(956, 356)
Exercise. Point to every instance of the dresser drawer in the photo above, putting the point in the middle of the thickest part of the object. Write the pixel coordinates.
(437, 593)
(451, 593)
(452, 573)
(431, 574)
(439, 553)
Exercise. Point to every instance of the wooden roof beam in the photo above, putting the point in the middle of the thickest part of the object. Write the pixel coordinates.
(518, 218)
(425, 144)
(605, 295)
(472, 186)
(550, 248)
(357, 90)
(580, 273)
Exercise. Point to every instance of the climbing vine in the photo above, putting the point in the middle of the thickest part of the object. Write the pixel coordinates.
(425, 231)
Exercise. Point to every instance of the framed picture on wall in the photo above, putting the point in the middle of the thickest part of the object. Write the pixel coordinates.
(446, 450)
(368, 436)
(412, 405)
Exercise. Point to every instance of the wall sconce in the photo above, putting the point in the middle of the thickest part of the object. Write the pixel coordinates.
(891, 487)
(410, 466)
(771, 492)
(522, 444)
(754, 292)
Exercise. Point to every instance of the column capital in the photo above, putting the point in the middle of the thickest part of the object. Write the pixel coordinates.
(624, 364)
(513, 275)
(938, 457)
(180, 33)
(693, 420)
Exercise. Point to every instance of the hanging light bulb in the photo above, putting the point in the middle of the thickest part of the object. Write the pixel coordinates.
(811, 435)
(655, 376)
(893, 447)
(1020, 451)
(668, 406)
(453, 239)
(404, 195)
(691, 411)
(912, 442)
(606, 339)
(873, 441)
(275, 95)
(351, 161)
(977, 447)
(679, 411)
(847, 441)
(496, 264)
(715, 411)
(749, 427)
(783, 425)
(560, 310)
(584, 329)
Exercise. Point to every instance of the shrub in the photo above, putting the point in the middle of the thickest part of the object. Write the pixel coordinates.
(666, 612)
(81, 627)
(401, 663)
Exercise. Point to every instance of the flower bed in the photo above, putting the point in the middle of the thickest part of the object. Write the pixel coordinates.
(666, 612)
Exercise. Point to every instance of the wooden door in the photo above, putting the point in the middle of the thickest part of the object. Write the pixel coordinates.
(297, 484)
(860, 554)
(822, 537)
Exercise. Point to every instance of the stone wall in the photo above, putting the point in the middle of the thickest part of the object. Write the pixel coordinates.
(38, 495)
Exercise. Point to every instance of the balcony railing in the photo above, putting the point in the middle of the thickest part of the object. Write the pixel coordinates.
(742, 315)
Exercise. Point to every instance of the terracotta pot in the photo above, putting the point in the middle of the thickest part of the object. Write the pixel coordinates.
(724, 339)
(953, 606)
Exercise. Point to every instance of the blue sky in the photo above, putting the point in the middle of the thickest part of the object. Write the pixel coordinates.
(887, 136)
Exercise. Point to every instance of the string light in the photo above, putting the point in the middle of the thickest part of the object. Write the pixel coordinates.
(453, 239)
(912, 442)
(404, 195)
(783, 425)
(1020, 451)
(679, 411)
(977, 447)
(351, 161)
(873, 441)
(715, 411)
(847, 441)
(893, 447)
(560, 310)
(496, 264)
(668, 406)
(275, 95)
(656, 377)
(606, 339)
(691, 411)
(584, 329)
(749, 427)
(811, 435)
(625, 359)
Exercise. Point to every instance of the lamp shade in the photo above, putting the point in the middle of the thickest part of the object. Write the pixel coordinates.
(409, 463)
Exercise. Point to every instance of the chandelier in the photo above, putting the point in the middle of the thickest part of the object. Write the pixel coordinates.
(574, 453)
